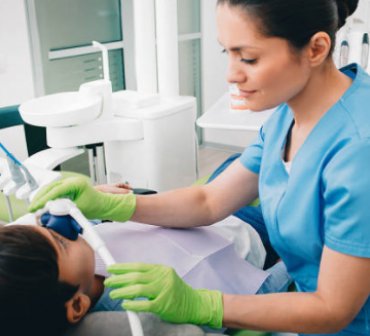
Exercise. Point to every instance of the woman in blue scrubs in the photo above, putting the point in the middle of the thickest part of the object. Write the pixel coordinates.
(310, 167)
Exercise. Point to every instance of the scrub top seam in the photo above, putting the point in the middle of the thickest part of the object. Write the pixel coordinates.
(249, 167)
(353, 121)
(349, 248)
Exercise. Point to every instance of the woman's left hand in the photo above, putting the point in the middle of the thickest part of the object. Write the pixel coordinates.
(116, 188)
(92, 203)
(168, 295)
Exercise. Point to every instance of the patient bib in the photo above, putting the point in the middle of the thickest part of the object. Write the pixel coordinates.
(200, 256)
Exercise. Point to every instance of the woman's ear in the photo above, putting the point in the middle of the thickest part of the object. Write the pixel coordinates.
(318, 48)
(77, 307)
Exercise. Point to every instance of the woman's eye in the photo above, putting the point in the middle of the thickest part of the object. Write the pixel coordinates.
(249, 60)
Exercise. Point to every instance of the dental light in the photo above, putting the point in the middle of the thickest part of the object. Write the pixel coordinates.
(63, 217)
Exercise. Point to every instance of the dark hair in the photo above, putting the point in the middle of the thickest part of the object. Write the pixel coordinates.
(297, 20)
(32, 299)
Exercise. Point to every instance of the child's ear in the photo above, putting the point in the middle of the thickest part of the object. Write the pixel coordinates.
(77, 307)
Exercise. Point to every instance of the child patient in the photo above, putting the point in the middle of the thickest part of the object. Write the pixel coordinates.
(48, 282)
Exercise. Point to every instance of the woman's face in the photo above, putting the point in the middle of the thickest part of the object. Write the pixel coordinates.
(265, 69)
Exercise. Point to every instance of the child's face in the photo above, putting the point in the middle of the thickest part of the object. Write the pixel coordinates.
(75, 260)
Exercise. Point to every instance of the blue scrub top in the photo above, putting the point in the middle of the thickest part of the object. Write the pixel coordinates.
(325, 200)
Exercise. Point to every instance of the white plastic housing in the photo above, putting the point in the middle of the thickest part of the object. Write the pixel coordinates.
(61, 109)
(165, 158)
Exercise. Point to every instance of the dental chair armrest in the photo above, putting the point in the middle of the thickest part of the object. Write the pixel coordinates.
(143, 191)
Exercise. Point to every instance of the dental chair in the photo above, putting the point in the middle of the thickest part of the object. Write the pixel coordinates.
(116, 324)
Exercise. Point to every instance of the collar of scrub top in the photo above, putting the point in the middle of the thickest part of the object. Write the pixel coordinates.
(65, 225)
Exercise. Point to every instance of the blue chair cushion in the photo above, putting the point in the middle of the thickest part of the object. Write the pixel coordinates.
(9, 116)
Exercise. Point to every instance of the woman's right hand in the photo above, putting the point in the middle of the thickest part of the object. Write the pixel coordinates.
(93, 203)
(168, 295)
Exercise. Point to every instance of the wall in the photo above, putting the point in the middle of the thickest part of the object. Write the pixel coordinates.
(16, 83)
(15, 60)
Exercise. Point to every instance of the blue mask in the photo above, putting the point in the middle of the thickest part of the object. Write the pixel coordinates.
(65, 225)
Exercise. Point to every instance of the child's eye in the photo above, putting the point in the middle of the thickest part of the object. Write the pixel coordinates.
(63, 242)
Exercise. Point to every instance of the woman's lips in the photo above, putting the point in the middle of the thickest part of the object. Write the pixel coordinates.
(246, 93)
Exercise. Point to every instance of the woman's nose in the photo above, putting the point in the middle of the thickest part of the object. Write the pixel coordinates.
(235, 73)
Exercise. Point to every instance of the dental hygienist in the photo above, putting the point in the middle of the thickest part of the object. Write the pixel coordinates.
(310, 167)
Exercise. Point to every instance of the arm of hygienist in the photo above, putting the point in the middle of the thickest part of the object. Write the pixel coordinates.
(186, 207)
(200, 205)
(343, 287)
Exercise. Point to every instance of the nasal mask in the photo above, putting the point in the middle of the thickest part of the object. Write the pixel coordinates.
(65, 225)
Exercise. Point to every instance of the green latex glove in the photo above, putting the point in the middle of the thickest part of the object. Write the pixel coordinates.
(93, 204)
(169, 296)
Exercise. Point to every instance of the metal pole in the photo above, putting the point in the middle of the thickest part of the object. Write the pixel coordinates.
(90, 153)
(10, 209)
(167, 47)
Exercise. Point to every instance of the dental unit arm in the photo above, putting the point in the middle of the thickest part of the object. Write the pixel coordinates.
(65, 218)
(20, 175)
(24, 179)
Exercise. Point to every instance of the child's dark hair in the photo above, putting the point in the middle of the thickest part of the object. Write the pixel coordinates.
(32, 299)
(297, 20)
